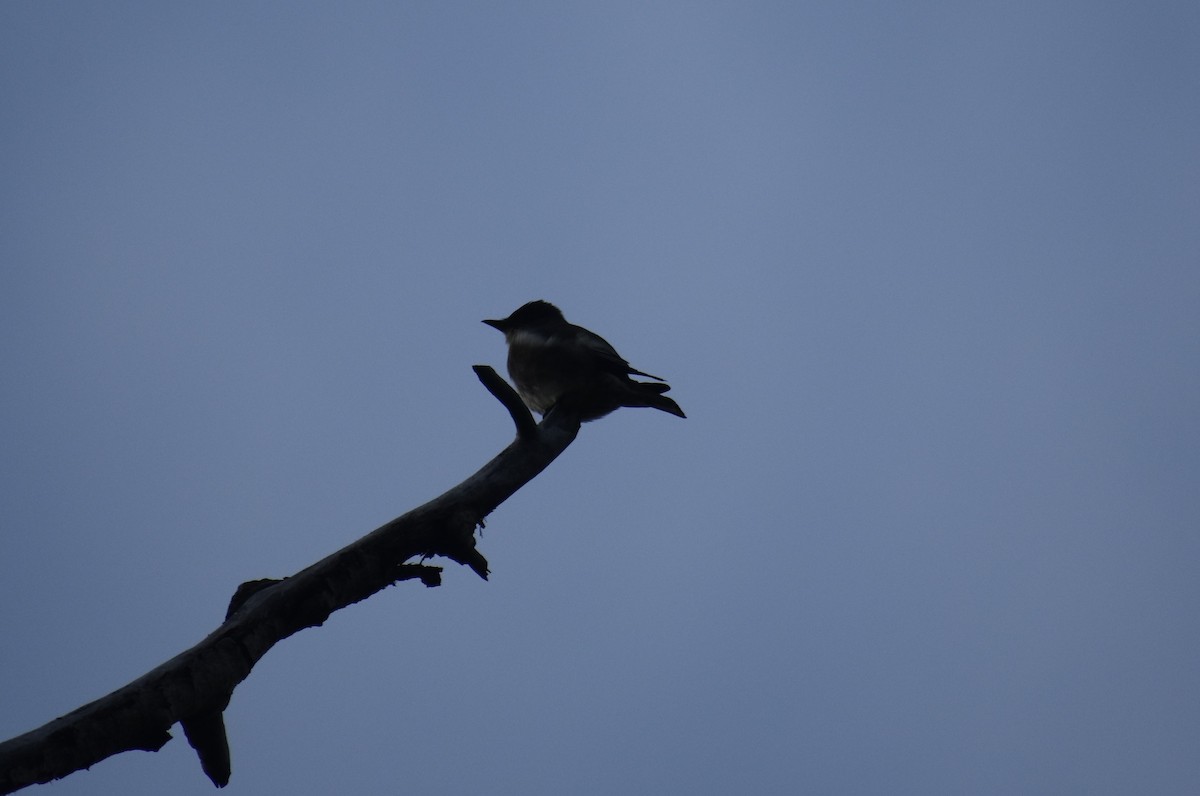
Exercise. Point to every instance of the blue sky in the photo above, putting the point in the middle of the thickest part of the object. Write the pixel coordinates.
(925, 277)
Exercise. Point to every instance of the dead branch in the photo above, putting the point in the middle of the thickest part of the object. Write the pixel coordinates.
(194, 687)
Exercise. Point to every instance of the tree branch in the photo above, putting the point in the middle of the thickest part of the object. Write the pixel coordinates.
(506, 395)
(195, 686)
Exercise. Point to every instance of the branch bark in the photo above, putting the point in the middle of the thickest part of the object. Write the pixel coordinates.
(194, 687)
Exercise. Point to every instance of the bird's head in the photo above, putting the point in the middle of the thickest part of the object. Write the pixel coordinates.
(535, 313)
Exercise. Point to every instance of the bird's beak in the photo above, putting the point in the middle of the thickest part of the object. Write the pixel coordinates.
(494, 324)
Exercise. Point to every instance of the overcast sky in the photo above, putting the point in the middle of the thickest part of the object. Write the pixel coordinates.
(925, 277)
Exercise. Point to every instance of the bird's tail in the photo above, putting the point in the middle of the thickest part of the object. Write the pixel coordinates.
(652, 395)
(635, 372)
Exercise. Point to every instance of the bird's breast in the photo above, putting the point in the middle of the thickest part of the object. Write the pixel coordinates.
(540, 375)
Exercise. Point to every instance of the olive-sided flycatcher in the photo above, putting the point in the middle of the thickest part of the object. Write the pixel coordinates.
(556, 362)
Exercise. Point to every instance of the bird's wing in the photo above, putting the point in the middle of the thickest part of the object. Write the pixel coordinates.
(604, 354)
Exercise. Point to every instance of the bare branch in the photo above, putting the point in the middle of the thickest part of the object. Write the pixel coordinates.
(506, 395)
(195, 686)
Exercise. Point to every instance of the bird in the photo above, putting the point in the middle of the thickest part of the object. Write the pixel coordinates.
(556, 363)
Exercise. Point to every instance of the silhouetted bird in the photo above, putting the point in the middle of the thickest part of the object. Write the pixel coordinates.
(558, 363)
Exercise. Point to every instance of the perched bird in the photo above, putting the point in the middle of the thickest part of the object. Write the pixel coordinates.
(554, 362)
